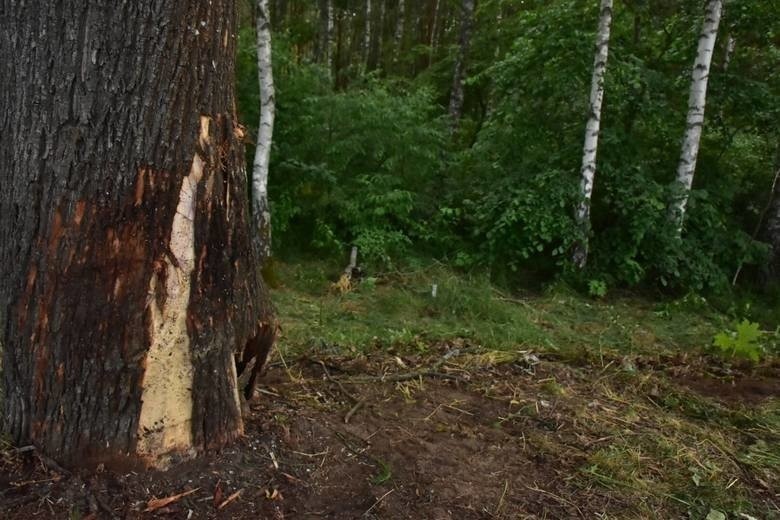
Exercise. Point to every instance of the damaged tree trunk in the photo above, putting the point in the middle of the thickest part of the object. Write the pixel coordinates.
(129, 277)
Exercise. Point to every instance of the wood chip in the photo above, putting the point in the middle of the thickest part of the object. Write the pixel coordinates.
(230, 498)
(158, 503)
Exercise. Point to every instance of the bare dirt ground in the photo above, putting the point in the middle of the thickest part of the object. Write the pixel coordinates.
(455, 433)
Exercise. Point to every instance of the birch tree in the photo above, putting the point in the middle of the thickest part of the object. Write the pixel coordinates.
(400, 25)
(380, 33)
(592, 128)
(128, 272)
(261, 211)
(459, 76)
(433, 42)
(326, 37)
(696, 101)
(367, 35)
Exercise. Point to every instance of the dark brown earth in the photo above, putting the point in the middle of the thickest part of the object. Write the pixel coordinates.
(477, 436)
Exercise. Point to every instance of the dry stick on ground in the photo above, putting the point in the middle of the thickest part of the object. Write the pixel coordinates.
(429, 372)
(377, 502)
(358, 403)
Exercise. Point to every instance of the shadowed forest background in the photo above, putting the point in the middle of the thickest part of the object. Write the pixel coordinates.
(363, 152)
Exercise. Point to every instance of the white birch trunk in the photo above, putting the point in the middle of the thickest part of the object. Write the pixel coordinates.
(380, 33)
(696, 101)
(367, 36)
(329, 37)
(592, 128)
(731, 45)
(434, 30)
(399, 30)
(260, 207)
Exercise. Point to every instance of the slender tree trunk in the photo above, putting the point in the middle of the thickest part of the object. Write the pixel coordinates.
(128, 274)
(459, 76)
(400, 26)
(592, 128)
(731, 45)
(339, 50)
(771, 231)
(380, 33)
(367, 35)
(325, 41)
(279, 14)
(261, 210)
(434, 31)
(696, 102)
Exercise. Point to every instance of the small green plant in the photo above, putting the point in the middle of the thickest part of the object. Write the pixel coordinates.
(597, 288)
(384, 474)
(742, 342)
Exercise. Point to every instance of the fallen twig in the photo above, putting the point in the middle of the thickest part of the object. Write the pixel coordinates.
(352, 411)
(377, 502)
(501, 500)
(22, 449)
(407, 376)
(230, 498)
(337, 382)
(432, 371)
(157, 503)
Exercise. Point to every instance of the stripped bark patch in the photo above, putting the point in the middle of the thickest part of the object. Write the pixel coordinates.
(165, 423)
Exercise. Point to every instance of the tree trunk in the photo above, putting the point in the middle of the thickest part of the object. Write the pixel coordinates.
(771, 231)
(128, 274)
(325, 46)
(380, 34)
(279, 13)
(731, 45)
(261, 211)
(400, 26)
(456, 96)
(433, 42)
(589, 149)
(696, 101)
(367, 35)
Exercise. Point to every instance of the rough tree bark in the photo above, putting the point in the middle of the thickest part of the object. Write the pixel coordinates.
(592, 128)
(458, 77)
(696, 102)
(128, 274)
(261, 211)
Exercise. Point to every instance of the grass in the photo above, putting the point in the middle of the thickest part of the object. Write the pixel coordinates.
(664, 448)
(397, 310)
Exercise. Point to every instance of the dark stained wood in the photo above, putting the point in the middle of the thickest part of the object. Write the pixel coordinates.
(101, 109)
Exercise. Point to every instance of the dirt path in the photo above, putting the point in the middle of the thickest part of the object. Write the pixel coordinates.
(486, 435)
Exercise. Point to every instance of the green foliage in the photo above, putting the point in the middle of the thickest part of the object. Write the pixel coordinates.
(364, 157)
(354, 167)
(741, 342)
(597, 288)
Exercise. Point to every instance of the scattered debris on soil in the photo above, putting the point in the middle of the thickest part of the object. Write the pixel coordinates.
(458, 432)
